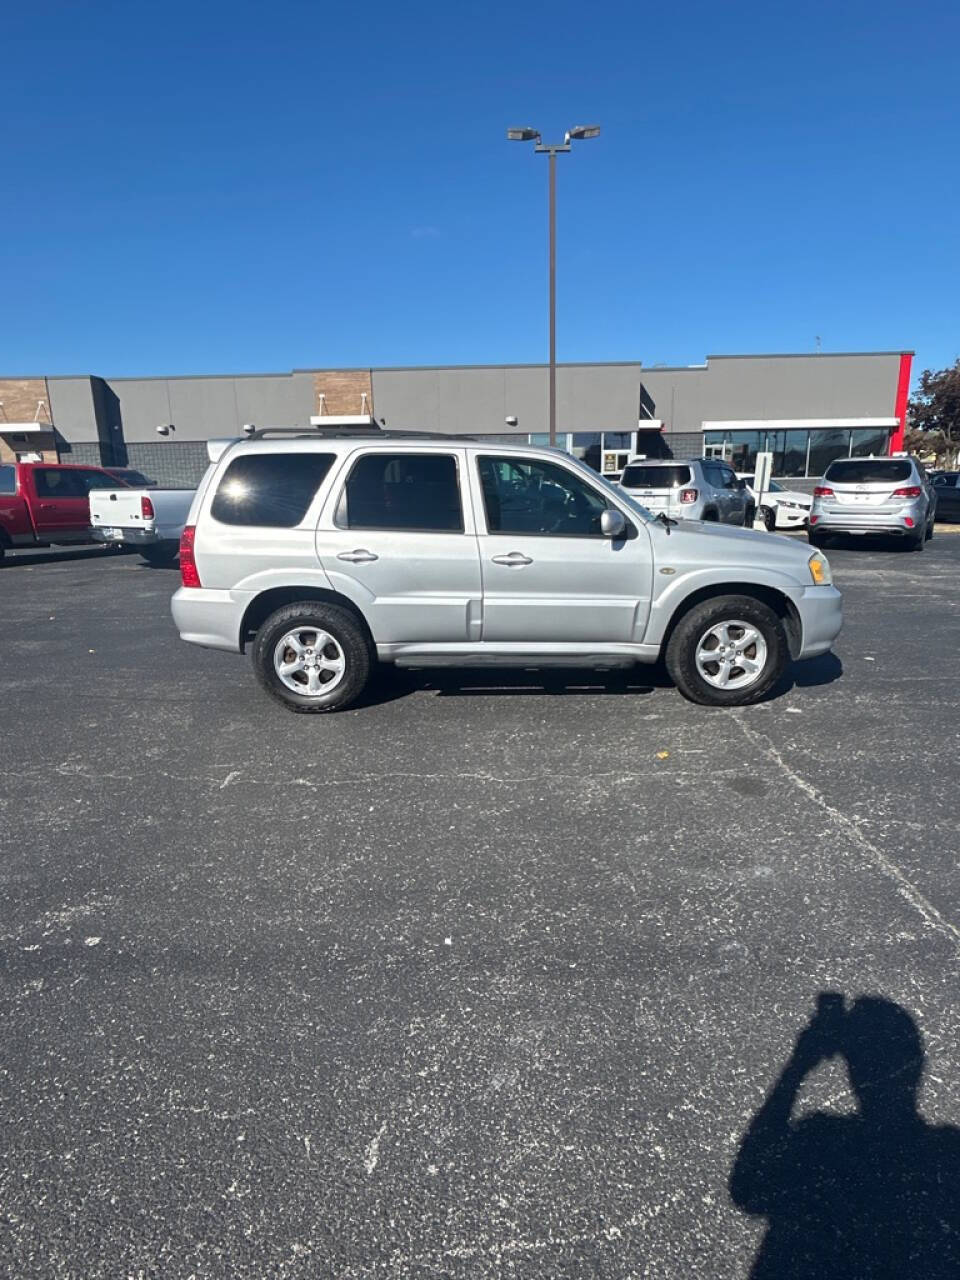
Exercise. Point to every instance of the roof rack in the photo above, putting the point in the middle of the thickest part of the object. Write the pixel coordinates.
(349, 433)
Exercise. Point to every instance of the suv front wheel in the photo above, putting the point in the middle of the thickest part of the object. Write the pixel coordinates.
(727, 652)
(312, 657)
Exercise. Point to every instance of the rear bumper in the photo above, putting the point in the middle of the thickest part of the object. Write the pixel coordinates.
(886, 521)
(132, 537)
(821, 618)
(209, 618)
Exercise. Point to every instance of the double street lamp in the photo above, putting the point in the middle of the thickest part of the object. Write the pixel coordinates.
(552, 149)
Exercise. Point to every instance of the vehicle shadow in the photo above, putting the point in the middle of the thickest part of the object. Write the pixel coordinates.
(824, 669)
(19, 559)
(873, 1193)
(389, 684)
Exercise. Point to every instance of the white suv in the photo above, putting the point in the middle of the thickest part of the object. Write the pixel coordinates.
(328, 552)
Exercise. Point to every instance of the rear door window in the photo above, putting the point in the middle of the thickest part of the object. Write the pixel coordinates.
(8, 479)
(637, 476)
(419, 492)
(57, 482)
(270, 490)
(868, 471)
(88, 480)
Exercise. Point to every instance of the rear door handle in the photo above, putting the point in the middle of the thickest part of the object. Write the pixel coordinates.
(360, 556)
(513, 558)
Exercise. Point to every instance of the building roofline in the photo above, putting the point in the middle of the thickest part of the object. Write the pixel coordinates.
(426, 368)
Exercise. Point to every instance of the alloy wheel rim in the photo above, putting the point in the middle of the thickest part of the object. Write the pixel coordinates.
(309, 662)
(731, 654)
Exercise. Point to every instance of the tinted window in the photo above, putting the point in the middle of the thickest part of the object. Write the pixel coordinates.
(868, 470)
(8, 479)
(530, 496)
(637, 476)
(57, 482)
(270, 489)
(947, 481)
(726, 478)
(135, 478)
(403, 491)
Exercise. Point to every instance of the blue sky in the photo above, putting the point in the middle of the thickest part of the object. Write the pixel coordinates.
(215, 187)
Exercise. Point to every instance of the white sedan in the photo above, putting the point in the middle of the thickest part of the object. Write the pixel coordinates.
(781, 508)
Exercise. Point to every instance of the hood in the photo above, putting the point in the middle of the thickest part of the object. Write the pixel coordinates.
(698, 543)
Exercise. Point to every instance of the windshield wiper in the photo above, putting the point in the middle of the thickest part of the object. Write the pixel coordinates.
(666, 520)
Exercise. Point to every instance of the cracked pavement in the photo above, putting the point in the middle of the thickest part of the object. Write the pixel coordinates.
(483, 978)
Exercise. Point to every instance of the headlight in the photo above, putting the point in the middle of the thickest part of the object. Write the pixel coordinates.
(819, 567)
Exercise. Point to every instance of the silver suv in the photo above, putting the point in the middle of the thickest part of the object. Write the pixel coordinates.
(701, 489)
(325, 553)
(891, 496)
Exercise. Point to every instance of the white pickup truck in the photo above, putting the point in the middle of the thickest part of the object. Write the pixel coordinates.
(151, 520)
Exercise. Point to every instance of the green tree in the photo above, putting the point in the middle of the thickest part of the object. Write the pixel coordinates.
(935, 412)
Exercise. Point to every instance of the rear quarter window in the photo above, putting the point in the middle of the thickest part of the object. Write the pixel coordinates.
(868, 471)
(270, 489)
(640, 477)
(8, 479)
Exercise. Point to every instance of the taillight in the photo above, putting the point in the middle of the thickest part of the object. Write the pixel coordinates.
(146, 507)
(908, 522)
(908, 491)
(689, 495)
(823, 491)
(188, 564)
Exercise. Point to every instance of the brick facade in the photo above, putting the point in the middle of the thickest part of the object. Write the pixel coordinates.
(343, 390)
(20, 398)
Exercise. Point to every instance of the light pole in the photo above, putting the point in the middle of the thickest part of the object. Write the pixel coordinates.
(552, 149)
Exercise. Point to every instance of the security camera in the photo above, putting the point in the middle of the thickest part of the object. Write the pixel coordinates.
(163, 431)
(248, 428)
(510, 420)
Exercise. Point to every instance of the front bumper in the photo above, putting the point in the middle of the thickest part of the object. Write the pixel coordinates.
(821, 618)
(792, 517)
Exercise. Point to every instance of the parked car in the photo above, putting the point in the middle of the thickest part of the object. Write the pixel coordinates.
(700, 489)
(324, 553)
(947, 487)
(781, 508)
(151, 520)
(136, 479)
(890, 496)
(44, 503)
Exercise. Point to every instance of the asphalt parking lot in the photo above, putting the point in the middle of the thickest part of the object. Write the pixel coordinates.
(486, 977)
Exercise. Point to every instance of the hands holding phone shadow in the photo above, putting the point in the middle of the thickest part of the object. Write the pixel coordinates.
(874, 1194)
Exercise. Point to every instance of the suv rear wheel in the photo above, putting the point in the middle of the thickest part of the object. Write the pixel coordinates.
(312, 657)
(727, 652)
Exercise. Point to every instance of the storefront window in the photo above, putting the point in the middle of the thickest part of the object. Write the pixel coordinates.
(870, 441)
(825, 446)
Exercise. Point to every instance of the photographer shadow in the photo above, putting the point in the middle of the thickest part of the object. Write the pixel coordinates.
(875, 1193)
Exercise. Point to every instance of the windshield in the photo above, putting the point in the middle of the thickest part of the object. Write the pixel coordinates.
(623, 496)
(772, 486)
(640, 476)
(868, 471)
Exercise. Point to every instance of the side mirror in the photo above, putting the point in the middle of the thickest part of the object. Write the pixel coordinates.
(613, 523)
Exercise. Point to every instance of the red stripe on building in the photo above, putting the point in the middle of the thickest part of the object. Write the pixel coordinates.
(900, 409)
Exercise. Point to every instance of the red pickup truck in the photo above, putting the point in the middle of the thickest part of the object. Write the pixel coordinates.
(46, 502)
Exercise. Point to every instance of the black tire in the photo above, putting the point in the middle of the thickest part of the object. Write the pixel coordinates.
(710, 515)
(749, 516)
(160, 557)
(346, 633)
(929, 533)
(816, 539)
(769, 518)
(918, 541)
(682, 647)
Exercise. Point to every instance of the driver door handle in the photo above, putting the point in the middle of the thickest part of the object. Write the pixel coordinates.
(514, 558)
(360, 556)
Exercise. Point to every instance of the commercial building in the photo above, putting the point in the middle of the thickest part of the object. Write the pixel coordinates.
(807, 409)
